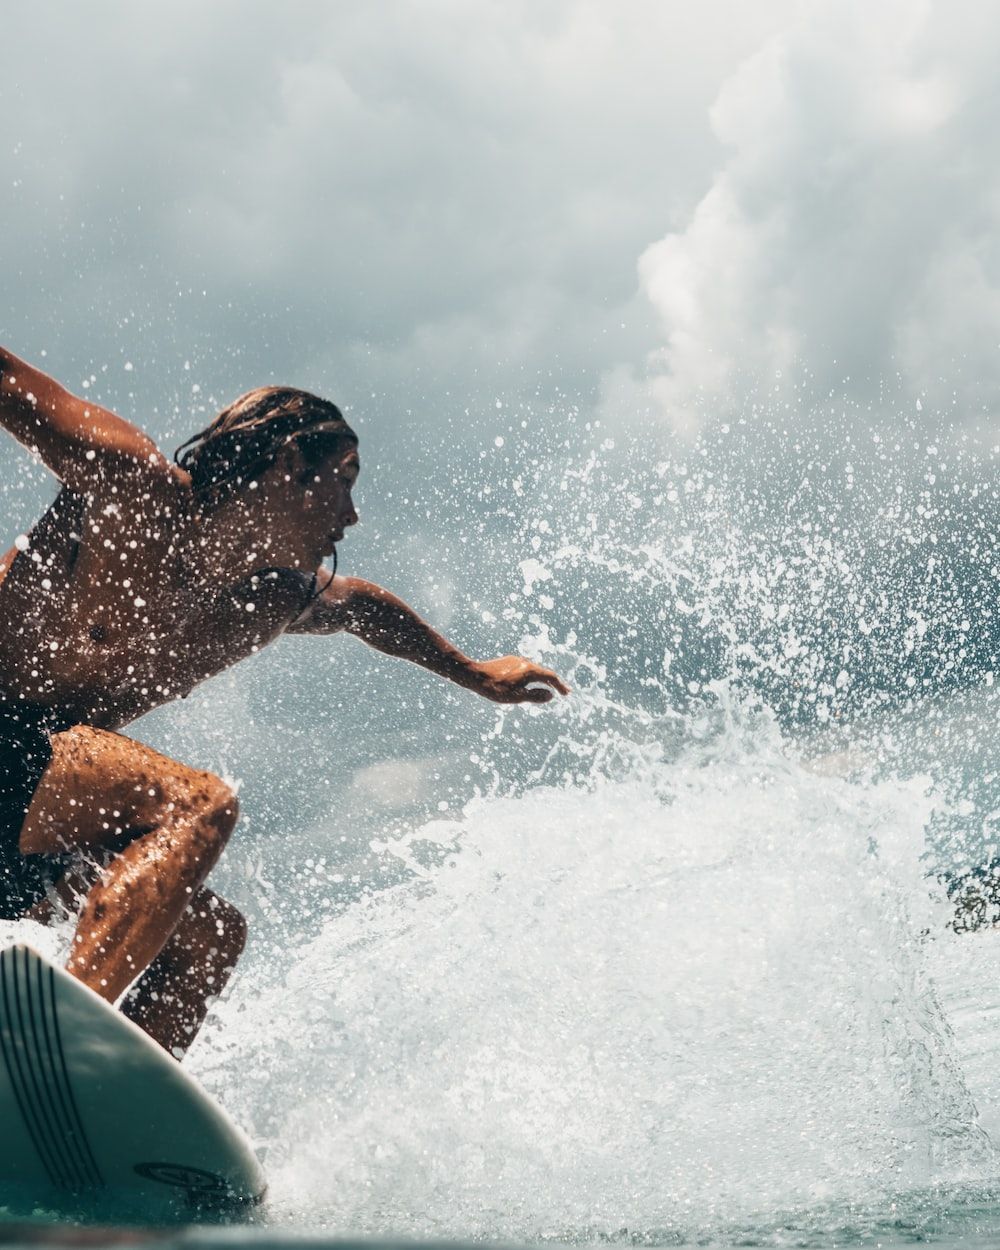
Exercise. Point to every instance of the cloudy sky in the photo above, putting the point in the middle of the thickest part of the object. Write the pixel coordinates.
(413, 206)
(849, 235)
(417, 207)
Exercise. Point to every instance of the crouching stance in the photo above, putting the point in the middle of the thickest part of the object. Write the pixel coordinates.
(142, 579)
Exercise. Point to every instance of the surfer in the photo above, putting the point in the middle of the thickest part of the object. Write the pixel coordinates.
(142, 579)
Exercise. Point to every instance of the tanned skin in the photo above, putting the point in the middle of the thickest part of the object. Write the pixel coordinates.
(131, 593)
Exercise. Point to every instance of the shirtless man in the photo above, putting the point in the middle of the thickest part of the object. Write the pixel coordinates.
(141, 580)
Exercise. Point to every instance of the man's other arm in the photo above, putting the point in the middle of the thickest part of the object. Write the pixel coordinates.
(73, 437)
(386, 623)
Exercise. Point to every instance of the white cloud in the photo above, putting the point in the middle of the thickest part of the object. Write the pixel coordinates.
(409, 197)
(853, 232)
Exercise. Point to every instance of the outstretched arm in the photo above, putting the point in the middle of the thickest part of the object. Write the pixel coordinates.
(73, 437)
(388, 624)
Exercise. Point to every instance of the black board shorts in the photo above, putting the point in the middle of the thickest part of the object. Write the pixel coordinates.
(25, 752)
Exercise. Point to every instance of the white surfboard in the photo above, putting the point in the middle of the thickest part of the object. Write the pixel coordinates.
(91, 1109)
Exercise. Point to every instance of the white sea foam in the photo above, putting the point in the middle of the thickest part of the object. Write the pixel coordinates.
(51, 941)
(662, 1002)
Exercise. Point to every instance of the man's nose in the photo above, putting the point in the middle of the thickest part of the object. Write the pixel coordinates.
(351, 516)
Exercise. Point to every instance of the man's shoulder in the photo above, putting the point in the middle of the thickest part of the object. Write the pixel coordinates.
(143, 480)
(292, 586)
(325, 611)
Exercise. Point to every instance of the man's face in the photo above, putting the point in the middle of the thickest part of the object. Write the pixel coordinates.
(309, 505)
(328, 488)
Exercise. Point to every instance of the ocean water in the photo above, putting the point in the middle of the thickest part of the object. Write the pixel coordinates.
(713, 999)
(674, 961)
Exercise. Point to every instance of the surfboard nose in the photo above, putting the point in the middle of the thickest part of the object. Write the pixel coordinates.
(93, 1107)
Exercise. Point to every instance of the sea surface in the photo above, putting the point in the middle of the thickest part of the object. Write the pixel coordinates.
(675, 962)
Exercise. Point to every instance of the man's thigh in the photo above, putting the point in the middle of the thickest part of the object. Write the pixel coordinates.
(100, 788)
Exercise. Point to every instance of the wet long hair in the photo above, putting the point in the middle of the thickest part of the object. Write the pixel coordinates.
(246, 438)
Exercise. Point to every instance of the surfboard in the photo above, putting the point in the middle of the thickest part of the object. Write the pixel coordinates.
(93, 1110)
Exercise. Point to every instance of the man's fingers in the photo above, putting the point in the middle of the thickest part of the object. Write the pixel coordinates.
(536, 694)
(525, 694)
(553, 679)
(520, 681)
(544, 675)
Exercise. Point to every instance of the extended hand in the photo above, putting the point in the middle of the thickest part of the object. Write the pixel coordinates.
(511, 679)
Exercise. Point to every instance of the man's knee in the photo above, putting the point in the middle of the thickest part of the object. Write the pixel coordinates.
(222, 807)
(210, 805)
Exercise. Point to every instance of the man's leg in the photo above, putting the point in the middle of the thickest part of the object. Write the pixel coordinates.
(167, 825)
(172, 997)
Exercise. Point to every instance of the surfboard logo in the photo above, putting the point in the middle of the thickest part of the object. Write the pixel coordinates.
(197, 1182)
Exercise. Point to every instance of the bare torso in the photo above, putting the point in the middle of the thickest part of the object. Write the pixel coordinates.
(109, 612)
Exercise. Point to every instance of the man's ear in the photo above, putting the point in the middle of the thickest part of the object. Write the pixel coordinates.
(290, 461)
